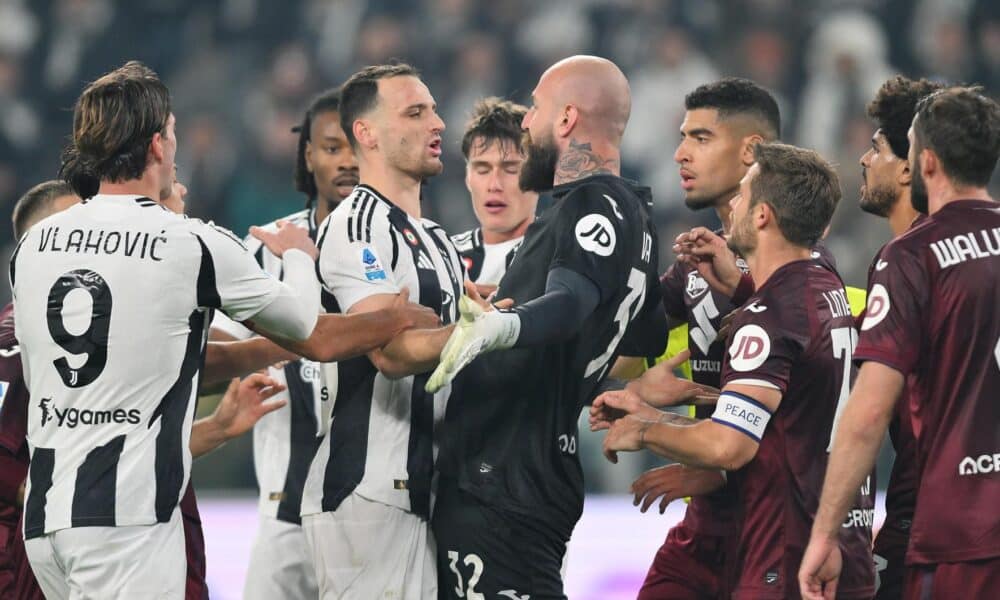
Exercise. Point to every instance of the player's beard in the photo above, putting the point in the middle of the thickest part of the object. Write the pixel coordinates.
(878, 200)
(538, 172)
(742, 239)
(697, 202)
(918, 190)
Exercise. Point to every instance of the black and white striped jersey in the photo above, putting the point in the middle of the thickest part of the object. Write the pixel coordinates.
(485, 263)
(113, 298)
(285, 440)
(381, 434)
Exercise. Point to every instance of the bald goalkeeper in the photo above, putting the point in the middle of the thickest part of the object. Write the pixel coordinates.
(584, 284)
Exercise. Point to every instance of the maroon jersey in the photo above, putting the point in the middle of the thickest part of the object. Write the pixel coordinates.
(688, 297)
(932, 314)
(901, 495)
(16, 578)
(795, 335)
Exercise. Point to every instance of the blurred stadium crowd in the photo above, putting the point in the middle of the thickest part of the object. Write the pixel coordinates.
(242, 71)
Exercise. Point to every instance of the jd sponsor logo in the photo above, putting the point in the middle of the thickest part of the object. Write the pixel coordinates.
(595, 234)
(73, 417)
(979, 465)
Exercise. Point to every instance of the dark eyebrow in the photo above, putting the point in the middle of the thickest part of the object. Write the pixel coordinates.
(697, 132)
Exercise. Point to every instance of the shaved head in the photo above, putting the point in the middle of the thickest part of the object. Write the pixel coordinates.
(574, 127)
(596, 87)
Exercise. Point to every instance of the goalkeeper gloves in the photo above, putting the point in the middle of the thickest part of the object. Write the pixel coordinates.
(478, 331)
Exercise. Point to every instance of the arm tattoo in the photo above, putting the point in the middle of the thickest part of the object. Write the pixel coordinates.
(675, 419)
(581, 161)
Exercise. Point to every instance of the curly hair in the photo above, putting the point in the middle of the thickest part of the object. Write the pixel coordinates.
(328, 101)
(733, 96)
(493, 120)
(893, 107)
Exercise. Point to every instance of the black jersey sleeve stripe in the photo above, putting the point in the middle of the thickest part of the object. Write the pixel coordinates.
(303, 441)
(96, 485)
(169, 460)
(368, 222)
(395, 248)
(366, 205)
(207, 290)
(43, 462)
(352, 216)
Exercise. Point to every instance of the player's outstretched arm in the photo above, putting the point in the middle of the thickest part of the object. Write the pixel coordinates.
(728, 441)
(856, 442)
(672, 482)
(407, 350)
(340, 337)
(244, 403)
(225, 360)
(556, 315)
(658, 386)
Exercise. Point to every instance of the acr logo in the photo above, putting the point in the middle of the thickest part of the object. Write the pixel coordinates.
(595, 234)
(750, 348)
(980, 465)
(696, 284)
(73, 417)
(878, 307)
(756, 308)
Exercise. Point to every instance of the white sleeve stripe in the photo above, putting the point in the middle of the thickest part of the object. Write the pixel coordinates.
(754, 382)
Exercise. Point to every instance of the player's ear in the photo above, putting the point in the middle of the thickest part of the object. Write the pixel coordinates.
(928, 163)
(746, 153)
(364, 132)
(763, 215)
(568, 118)
(156, 147)
(903, 174)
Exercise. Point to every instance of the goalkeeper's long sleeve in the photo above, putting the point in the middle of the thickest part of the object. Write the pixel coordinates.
(560, 312)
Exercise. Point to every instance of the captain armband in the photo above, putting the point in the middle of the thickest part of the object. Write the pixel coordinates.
(742, 413)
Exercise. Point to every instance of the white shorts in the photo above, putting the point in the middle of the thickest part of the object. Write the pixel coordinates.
(367, 550)
(140, 561)
(280, 563)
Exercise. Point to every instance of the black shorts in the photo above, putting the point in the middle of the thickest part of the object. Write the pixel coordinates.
(487, 552)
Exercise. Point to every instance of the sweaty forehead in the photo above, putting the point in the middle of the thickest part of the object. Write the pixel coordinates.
(396, 93)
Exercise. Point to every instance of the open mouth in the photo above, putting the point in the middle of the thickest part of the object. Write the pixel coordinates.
(435, 147)
(494, 206)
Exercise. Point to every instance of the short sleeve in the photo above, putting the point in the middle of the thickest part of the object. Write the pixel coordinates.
(229, 277)
(589, 228)
(764, 345)
(672, 287)
(353, 267)
(894, 322)
(230, 327)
